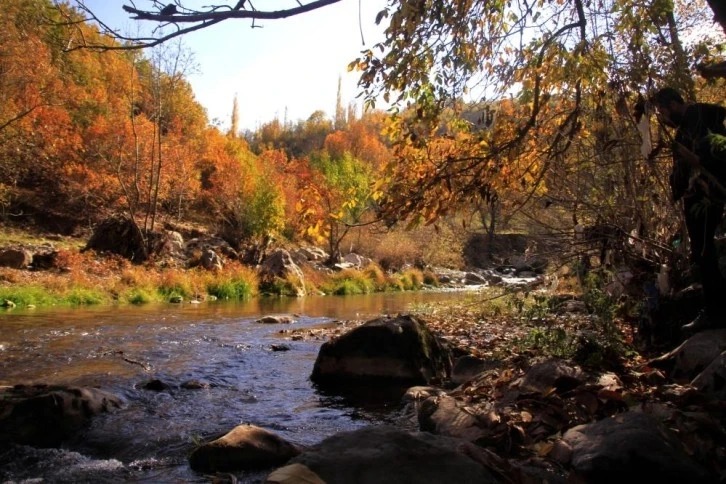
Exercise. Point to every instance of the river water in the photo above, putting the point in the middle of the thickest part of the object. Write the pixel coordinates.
(119, 349)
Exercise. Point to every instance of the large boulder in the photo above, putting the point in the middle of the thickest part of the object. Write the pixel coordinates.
(628, 447)
(279, 265)
(401, 350)
(712, 380)
(119, 236)
(44, 416)
(16, 258)
(384, 455)
(693, 356)
(244, 447)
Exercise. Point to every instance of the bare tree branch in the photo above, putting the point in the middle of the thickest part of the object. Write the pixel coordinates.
(192, 19)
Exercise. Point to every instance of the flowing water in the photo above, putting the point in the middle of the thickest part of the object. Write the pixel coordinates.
(120, 349)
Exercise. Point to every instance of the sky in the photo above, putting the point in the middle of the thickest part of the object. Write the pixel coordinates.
(289, 64)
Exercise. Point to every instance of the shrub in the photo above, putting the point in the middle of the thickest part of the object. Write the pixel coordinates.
(431, 279)
(376, 276)
(173, 284)
(396, 251)
(139, 296)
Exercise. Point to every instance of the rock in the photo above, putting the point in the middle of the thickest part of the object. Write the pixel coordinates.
(552, 373)
(358, 261)
(45, 260)
(712, 380)
(279, 347)
(294, 473)
(119, 236)
(210, 260)
(572, 306)
(16, 258)
(400, 349)
(693, 355)
(169, 242)
(44, 416)
(384, 455)
(313, 254)
(156, 385)
(467, 367)
(194, 385)
(281, 319)
(629, 447)
(280, 265)
(494, 279)
(527, 274)
(244, 447)
(474, 279)
(421, 393)
(444, 415)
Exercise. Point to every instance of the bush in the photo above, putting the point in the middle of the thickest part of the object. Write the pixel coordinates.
(139, 296)
(431, 279)
(349, 282)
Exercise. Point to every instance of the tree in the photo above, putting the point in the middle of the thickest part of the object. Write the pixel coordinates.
(562, 64)
(335, 195)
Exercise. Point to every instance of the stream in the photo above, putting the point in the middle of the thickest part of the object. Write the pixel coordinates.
(119, 349)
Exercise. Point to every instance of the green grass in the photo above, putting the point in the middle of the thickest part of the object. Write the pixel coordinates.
(235, 289)
(139, 296)
(80, 296)
(24, 296)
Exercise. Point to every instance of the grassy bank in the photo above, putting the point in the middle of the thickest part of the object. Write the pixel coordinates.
(78, 279)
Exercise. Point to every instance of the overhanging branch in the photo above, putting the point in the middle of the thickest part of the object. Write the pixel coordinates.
(191, 19)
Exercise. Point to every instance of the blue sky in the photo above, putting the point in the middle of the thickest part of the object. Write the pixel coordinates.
(290, 63)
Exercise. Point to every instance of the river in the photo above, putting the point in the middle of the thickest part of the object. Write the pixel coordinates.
(119, 349)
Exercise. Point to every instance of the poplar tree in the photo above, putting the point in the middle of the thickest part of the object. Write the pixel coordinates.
(234, 128)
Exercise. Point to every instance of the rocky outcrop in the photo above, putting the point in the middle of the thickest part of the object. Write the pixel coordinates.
(119, 236)
(244, 447)
(211, 261)
(44, 416)
(279, 265)
(629, 447)
(400, 349)
(384, 455)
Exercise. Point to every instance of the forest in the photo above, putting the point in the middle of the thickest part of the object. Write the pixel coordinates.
(533, 119)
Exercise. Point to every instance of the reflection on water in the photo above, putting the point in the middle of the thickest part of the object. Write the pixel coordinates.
(120, 349)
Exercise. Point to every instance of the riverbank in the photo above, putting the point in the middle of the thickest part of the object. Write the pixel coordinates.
(38, 271)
